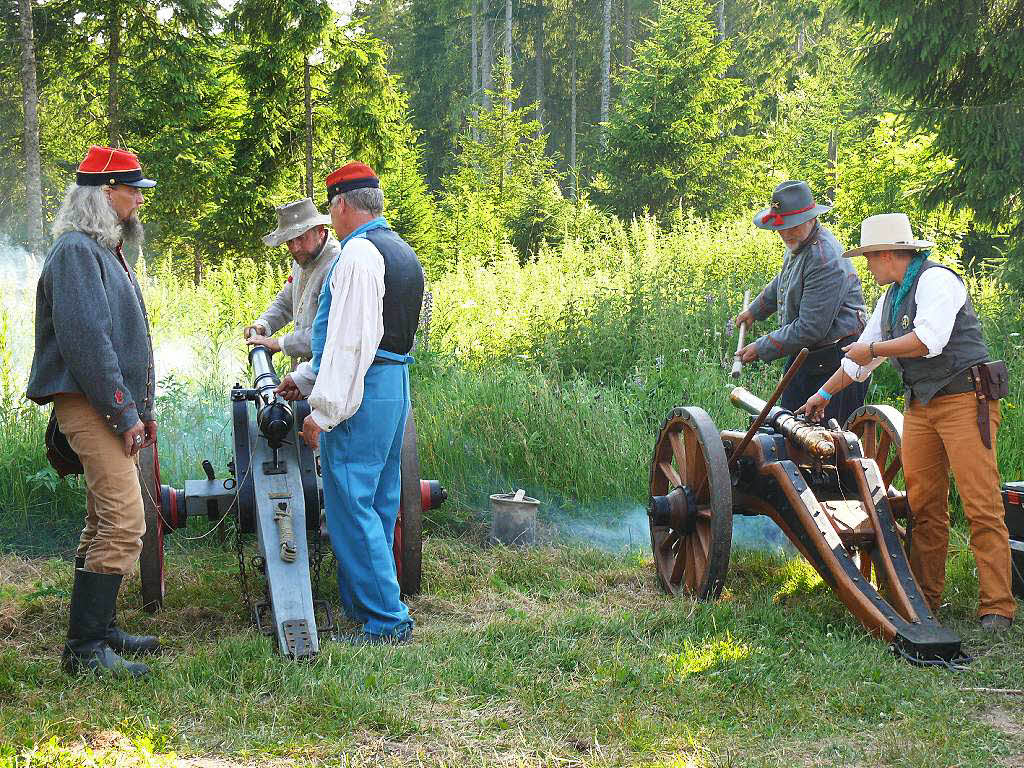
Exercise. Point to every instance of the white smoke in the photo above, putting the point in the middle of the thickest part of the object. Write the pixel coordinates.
(627, 529)
(19, 272)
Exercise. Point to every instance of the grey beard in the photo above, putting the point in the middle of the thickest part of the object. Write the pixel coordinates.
(132, 232)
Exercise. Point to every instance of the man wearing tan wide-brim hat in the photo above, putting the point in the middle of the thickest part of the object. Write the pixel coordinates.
(926, 326)
(301, 227)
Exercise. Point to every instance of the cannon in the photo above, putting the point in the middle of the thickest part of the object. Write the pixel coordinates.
(274, 490)
(830, 492)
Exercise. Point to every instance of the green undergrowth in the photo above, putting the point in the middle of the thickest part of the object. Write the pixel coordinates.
(555, 656)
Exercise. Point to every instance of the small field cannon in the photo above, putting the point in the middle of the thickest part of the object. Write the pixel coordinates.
(274, 491)
(829, 494)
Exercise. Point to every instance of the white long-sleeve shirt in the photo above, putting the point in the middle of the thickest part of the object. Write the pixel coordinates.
(940, 294)
(355, 326)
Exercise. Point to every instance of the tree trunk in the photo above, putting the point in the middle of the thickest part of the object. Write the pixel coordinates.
(627, 33)
(308, 92)
(606, 73)
(538, 46)
(508, 32)
(573, 175)
(720, 19)
(474, 61)
(113, 73)
(30, 101)
(488, 82)
(508, 46)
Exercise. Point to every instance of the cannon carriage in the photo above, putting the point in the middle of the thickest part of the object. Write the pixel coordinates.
(833, 491)
(274, 491)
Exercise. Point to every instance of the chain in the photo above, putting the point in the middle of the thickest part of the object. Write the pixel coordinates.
(243, 579)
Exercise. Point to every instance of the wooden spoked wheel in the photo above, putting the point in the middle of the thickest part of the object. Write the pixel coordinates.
(408, 547)
(151, 559)
(691, 545)
(880, 431)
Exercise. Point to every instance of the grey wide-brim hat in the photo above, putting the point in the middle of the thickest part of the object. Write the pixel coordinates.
(792, 204)
(294, 219)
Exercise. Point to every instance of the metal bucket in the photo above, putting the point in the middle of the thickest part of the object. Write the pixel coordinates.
(513, 519)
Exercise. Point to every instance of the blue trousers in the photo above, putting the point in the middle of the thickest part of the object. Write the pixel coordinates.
(360, 461)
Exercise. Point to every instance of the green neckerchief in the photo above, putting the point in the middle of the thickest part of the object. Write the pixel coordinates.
(913, 270)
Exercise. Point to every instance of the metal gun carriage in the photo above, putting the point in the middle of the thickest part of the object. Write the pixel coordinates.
(274, 491)
(830, 491)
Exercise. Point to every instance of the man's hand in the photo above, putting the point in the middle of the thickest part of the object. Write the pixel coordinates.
(814, 408)
(311, 433)
(251, 330)
(746, 317)
(288, 389)
(859, 352)
(259, 340)
(150, 433)
(749, 353)
(133, 439)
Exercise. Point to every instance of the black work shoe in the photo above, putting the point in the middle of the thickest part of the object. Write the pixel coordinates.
(92, 605)
(122, 642)
(993, 622)
(402, 637)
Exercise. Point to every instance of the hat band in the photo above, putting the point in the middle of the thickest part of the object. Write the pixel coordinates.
(370, 182)
(97, 179)
(778, 219)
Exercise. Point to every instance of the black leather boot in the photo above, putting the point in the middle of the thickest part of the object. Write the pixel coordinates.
(120, 641)
(92, 603)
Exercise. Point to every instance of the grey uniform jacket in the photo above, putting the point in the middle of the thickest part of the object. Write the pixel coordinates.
(92, 333)
(823, 299)
(298, 300)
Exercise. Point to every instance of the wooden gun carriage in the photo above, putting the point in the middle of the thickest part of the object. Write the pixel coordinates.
(830, 491)
(275, 492)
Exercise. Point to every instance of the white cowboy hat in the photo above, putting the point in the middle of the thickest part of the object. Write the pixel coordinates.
(887, 232)
(294, 219)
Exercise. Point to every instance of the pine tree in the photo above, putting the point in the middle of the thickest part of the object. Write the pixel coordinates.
(674, 139)
(958, 65)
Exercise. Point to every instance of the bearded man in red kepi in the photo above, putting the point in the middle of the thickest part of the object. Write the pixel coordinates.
(94, 361)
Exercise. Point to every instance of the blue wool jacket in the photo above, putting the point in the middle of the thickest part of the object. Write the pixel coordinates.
(92, 333)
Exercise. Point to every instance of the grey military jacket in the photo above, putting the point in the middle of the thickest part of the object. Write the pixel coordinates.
(92, 333)
(297, 302)
(823, 299)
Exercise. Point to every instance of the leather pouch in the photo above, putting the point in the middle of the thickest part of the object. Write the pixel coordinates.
(992, 379)
(59, 453)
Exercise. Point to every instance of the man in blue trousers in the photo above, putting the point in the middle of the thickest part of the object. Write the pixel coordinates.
(358, 389)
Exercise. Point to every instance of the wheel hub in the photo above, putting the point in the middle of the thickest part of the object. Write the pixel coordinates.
(677, 510)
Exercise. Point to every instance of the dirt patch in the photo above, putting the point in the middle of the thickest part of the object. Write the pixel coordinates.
(1003, 721)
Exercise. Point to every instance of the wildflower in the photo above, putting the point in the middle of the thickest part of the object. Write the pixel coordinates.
(730, 327)
(710, 299)
(659, 362)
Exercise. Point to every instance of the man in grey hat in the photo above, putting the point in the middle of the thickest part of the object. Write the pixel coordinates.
(817, 295)
(301, 227)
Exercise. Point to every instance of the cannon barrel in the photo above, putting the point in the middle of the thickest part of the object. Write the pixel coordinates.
(273, 413)
(814, 439)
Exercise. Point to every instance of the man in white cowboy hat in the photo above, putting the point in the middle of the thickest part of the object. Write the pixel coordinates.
(926, 326)
(817, 296)
(302, 228)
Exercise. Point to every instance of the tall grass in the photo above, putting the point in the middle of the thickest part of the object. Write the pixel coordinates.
(551, 375)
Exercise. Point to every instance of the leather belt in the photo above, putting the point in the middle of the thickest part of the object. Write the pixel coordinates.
(959, 384)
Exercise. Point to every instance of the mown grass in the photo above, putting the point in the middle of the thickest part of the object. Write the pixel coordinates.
(564, 656)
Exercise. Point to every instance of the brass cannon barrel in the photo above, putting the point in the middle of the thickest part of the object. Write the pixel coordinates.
(814, 439)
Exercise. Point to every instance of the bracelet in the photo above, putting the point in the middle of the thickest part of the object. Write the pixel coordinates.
(824, 394)
(871, 350)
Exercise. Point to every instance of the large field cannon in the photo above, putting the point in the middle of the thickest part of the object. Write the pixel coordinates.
(831, 494)
(274, 491)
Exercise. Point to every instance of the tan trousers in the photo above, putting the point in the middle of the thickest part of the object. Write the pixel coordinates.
(115, 521)
(937, 437)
